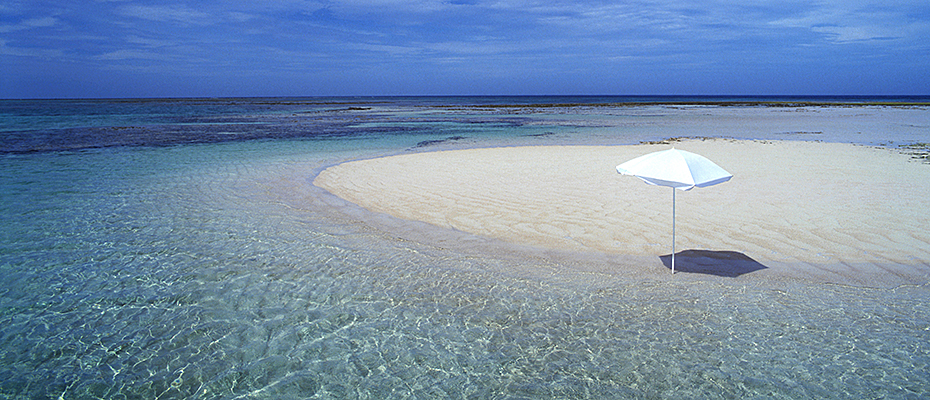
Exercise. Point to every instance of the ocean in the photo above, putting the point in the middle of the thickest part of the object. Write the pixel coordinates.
(176, 248)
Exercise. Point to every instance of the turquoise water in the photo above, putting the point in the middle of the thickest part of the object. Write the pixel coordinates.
(214, 269)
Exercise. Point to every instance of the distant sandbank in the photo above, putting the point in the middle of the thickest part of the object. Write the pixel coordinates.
(830, 211)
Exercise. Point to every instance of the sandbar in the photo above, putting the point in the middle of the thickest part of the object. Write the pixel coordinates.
(832, 211)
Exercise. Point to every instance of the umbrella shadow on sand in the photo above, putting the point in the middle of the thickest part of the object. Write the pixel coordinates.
(720, 263)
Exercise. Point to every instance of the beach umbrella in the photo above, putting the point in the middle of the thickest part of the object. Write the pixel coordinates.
(677, 169)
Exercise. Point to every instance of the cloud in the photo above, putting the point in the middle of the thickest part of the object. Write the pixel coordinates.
(31, 23)
(28, 51)
(149, 42)
(862, 21)
(240, 16)
(40, 22)
(846, 34)
(404, 6)
(403, 40)
(387, 49)
(128, 54)
(181, 14)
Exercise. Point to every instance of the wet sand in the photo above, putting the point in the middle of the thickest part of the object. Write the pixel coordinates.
(824, 211)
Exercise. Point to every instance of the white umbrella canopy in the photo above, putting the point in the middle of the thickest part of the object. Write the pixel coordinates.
(677, 169)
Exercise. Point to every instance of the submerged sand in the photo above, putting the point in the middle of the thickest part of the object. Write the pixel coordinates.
(794, 208)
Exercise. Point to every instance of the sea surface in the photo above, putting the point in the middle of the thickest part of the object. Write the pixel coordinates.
(176, 248)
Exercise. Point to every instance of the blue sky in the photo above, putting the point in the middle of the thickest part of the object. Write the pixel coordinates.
(131, 48)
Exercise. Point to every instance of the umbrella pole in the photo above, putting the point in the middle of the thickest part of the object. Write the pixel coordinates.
(673, 231)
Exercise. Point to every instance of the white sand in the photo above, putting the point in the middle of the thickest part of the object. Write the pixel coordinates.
(799, 208)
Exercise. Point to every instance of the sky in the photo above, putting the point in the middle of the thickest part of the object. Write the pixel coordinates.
(134, 48)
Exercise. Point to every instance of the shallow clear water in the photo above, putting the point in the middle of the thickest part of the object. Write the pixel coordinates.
(216, 270)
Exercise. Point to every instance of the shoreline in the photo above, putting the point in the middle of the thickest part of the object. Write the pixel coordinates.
(772, 222)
